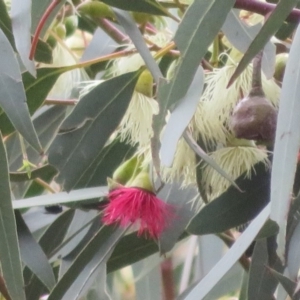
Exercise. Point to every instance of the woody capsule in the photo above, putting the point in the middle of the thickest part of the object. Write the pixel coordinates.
(136, 203)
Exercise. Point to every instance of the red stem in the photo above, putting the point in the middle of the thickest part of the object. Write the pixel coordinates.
(40, 26)
(263, 8)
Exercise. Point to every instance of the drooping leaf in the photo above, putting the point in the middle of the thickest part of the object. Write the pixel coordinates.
(201, 23)
(240, 35)
(261, 284)
(63, 197)
(230, 258)
(9, 248)
(182, 202)
(5, 24)
(286, 144)
(287, 284)
(12, 95)
(137, 38)
(92, 256)
(272, 24)
(50, 239)
(234, 208)
(23, 176)
(37, 10)
(180, 118)
(84, 133)
(21, 25)
(105, 163)
(131, 249)
(32, 254)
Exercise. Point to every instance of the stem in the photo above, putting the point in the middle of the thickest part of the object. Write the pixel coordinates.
(23, 148)
(256, 89)
(45, 185)
(264, 8)
(40, 26)
(215, 52)
(167, 279)
(113, 31)
(68, 102)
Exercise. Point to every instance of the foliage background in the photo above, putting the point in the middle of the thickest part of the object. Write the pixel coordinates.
(53, 244)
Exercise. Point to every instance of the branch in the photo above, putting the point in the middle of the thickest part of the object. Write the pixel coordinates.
(264, 8)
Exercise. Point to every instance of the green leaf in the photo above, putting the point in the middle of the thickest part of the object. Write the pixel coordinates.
(234, 208)
(272, 24)
(261, 284)
(5, 24)
(201, 23)
(86, 130)
(287, 284)
(39, 172)
(21, 24)
(12, 95)
(286, 144)
(230, 258)
(105, 163)
(240, 35)
(131, 249)
(182, 202)
(32, 254)
(92, 256)
(43, 53)
(180, 118)
(63, 197)
(37, 10)
(50, 240)
(137, 38)
(9, 248)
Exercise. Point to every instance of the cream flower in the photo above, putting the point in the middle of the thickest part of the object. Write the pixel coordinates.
(135, 126)
(234, 161)
(218, 101)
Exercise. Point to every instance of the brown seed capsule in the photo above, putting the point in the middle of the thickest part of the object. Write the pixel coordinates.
(254, 118)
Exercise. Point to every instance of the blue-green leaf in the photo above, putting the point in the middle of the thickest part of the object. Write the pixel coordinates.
(9, 247)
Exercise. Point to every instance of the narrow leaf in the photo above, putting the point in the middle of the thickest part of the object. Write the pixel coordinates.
(286, 144)
(180, 118)
(12, 95)
(205, 157)
(32, 254)
(21, 25)
(5, 24)
(240, 35)
(135, 35)
(84, 133)
(9, 248)
(261, 285)
(92, 256)
(272, 24)
(234, 208)
(201, 23)
(287, 284)
(63, 197)
(230, 258)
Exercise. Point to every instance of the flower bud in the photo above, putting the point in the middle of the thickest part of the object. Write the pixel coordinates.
(281, 60)
(96, 9)
(142, 181)
(125, 171)
(145, 84)
(71, 24)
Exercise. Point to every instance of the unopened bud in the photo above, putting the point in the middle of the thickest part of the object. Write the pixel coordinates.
(142, 181)
(125, 172)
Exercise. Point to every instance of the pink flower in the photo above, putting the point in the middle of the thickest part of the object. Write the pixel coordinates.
(131, 205)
